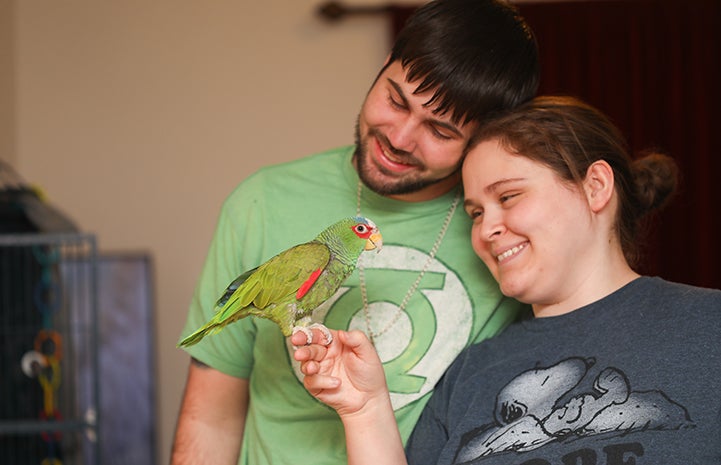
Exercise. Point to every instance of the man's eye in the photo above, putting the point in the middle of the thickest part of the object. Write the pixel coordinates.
(440, 135)
(395, 103)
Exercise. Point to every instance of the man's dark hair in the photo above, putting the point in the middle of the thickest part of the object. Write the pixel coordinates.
(478, 56)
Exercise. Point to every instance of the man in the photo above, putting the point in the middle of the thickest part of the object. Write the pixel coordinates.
(421, 300)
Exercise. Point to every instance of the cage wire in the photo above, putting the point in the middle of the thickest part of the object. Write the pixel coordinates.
(48, 349)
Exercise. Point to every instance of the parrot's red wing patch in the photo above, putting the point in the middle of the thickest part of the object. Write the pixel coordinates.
(305, 287)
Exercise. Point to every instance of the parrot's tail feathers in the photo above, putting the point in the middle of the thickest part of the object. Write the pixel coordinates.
(198, 335)
(192, 339)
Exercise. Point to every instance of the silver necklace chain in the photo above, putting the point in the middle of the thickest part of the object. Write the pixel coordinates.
(431, 255)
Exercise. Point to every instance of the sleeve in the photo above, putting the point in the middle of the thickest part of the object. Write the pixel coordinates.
(236, 247)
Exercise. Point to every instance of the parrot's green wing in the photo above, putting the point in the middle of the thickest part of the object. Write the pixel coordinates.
(265, 290)
(233, 287)
(277, 280)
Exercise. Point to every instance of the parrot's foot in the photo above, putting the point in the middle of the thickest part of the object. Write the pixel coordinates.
(326, 333)
(305, 330)
(308, 331)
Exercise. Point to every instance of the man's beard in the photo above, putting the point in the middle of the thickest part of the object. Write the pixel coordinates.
(400, 185)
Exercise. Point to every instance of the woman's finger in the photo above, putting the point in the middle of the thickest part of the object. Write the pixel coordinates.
(318, 383)
(315, 352)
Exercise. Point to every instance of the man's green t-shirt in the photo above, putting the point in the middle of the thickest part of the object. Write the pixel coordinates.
(457, 302)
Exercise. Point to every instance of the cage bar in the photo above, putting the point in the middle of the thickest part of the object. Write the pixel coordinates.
(48, 349)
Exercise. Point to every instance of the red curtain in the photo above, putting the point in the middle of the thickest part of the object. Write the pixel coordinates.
(654, 66)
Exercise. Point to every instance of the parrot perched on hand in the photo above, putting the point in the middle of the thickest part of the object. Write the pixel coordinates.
(288, 287)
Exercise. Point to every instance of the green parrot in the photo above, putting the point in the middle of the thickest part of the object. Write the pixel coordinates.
(288, 287)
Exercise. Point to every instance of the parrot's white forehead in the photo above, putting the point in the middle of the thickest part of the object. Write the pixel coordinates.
(367, 221)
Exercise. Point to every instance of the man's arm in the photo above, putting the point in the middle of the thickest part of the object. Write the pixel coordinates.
(212, 418)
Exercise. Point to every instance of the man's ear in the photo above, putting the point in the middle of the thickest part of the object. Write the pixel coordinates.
(599, 185)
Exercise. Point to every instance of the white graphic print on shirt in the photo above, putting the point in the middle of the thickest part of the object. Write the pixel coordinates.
(528, 414)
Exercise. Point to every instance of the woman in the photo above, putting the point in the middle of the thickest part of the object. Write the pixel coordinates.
(613, 367)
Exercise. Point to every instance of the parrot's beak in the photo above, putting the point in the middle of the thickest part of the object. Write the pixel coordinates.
(374, 242)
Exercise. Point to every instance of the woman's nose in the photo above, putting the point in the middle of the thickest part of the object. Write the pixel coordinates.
(492, 225)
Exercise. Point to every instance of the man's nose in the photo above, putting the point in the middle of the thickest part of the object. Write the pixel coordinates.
(405, 134)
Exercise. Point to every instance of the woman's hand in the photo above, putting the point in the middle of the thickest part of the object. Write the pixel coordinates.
(346, 375)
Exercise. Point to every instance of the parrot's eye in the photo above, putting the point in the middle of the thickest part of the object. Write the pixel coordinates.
(361, 229)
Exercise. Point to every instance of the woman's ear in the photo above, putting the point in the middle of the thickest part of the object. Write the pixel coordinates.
(599, 185)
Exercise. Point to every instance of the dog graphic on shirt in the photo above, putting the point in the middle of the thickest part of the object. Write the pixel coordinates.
(528, 415)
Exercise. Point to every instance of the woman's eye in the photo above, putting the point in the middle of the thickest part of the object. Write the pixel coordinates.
(506, 197)
(473, 214)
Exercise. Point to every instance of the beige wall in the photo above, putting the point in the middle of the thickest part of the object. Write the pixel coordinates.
(138, 117)
(7, 82)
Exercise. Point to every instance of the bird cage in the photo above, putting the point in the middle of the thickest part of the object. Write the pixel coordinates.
(48, 349)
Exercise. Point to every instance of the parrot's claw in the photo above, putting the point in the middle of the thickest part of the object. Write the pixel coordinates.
(326, 333)
(308, 331)
(305, 330)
